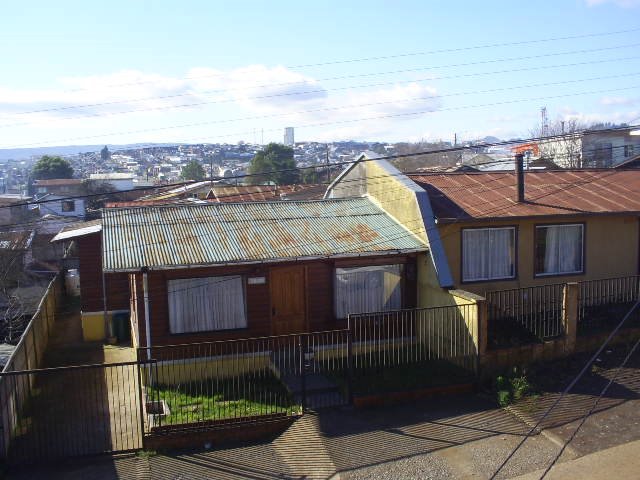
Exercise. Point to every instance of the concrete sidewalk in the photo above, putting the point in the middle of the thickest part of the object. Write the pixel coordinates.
(622, 461)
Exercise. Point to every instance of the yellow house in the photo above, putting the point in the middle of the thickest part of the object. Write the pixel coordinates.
(570, 225)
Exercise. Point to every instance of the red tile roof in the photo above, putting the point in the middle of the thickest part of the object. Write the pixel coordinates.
(483, 195)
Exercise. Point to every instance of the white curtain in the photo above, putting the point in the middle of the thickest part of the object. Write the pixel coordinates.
(488, 253)
(368, 289)
(206, 304)
(562, 248)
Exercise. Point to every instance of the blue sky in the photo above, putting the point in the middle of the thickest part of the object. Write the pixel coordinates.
(131, 71)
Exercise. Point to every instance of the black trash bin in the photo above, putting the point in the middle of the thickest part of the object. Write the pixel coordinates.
(121, 328)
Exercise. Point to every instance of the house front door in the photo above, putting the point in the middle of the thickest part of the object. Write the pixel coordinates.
(288, 300)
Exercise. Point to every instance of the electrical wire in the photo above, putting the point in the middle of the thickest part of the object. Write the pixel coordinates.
(323, 124)
(566, 390)
(327, 109)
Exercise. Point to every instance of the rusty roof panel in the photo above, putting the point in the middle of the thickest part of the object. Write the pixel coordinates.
(174, 236)
(267, 193)
(470, 196)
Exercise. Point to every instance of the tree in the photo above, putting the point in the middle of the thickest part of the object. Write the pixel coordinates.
(566, 148)
(192, 171)
(105, 154)
(51, 167)
(276, 158)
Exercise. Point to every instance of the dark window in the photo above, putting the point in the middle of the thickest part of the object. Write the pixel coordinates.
(559, 249)
(68, 206)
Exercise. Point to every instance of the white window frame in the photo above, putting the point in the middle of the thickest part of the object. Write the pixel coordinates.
(535, 250)
(395, 298)
(487, 277)
(207, 304)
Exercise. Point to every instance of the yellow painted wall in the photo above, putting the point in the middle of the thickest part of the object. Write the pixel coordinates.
(611, 250)
(393, 195)
(178, 372)
(93, 326)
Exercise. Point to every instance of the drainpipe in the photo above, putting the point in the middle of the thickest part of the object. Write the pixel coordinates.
(145, 288)
(108, 326)
(520, 176)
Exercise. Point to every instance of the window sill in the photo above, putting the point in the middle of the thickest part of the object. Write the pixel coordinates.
(500, 279)
(209, 332)
(562, 274)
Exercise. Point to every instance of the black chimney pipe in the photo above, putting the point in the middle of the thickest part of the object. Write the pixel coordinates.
(520, 176)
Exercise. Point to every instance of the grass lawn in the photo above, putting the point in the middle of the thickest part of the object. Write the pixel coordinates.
(400, 378)
(218, 399)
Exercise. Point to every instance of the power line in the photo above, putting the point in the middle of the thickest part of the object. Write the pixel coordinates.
(345, 77)
(335, 164)
(595, 405)
(567, 389)
(342, 122)
(387, 57)
(430, 97)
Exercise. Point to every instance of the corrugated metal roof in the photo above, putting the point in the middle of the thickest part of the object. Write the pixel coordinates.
(176, 236)
(470, 196)
(266, 193)
(78, 229)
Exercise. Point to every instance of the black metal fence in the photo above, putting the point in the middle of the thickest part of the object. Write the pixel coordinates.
(417, 348)
(602, 303)
(69, 411)
(81, 410)
(212, 384)
(521, 316)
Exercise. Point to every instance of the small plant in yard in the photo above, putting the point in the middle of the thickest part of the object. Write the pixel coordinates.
(512, 387)
(146, 453)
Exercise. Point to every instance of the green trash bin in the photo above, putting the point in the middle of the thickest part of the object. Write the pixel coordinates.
(121, 328)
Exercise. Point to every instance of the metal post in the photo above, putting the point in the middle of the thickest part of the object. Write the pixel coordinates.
(303, 379)
(140, 399)
(349, 368)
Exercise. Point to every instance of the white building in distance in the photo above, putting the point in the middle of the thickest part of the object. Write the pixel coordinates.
(288, 137)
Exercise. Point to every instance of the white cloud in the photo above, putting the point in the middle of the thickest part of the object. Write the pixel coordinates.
(215, 101)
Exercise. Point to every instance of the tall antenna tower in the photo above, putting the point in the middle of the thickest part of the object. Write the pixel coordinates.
(544, 130)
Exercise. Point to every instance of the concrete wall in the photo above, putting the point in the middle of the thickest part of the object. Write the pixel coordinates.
(611, 250)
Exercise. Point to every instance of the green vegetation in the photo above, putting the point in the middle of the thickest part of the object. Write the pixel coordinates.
(192, 171)
(512, 387)
(49, 167)
(219, 399)
(274, 157)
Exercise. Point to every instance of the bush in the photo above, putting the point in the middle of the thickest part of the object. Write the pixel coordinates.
(512, 387)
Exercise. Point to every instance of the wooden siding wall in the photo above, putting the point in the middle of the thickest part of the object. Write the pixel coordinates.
(319, 296)
(90, 269)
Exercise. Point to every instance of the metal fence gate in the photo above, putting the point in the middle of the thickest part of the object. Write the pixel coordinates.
(70, 411)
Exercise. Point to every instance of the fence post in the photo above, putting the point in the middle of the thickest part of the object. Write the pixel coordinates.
(482, 312)
(570, 315)
(303, 380)
(140, 398)
(349, 367)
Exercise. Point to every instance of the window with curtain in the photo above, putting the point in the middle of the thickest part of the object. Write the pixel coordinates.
(559, 249)
(367, 289)
(206, 304)
(488, 254)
